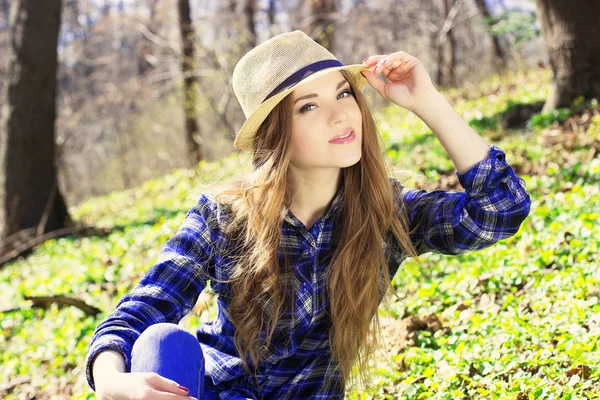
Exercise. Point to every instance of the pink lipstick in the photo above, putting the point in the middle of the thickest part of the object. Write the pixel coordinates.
(348, 138)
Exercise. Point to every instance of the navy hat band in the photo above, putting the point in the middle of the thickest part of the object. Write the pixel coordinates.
(302, 73)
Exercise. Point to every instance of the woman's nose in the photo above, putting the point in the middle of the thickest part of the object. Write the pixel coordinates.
(339, 114)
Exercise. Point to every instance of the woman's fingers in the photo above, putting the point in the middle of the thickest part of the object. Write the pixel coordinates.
(372, 60)
(167, 385)
(384, 62)
(159, 395)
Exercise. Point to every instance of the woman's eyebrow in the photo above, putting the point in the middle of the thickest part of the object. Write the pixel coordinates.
(311, 95)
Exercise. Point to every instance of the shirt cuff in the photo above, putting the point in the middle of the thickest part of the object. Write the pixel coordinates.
(493, 171)
(106, 342)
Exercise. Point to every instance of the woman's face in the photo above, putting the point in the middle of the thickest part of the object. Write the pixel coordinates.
(328, 109)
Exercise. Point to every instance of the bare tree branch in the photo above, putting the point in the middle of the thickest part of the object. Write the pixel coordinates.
(173, 46)
(45, 301)
(449, 21)
(34, 241)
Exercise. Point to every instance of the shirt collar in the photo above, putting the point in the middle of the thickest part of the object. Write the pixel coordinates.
(335, 204)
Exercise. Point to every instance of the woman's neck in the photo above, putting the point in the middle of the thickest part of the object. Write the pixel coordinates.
(312, 193)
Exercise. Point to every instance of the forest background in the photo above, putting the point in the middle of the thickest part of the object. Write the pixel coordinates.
(115, 114)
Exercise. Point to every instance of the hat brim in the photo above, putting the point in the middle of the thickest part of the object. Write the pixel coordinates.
(245, 136)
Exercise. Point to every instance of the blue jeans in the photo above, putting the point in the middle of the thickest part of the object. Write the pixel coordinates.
(172, 352)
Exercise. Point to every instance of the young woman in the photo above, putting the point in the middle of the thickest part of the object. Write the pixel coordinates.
(301, 252)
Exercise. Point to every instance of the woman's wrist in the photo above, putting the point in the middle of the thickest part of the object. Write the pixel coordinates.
(105, 365)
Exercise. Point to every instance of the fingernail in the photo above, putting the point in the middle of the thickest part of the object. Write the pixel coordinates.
(376, 68)
(384, 60)
(183, 388)
(365, 59)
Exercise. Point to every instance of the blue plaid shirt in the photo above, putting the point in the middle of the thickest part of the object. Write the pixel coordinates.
(492, 207)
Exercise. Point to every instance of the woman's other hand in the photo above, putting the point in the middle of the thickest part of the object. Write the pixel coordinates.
(139, 386)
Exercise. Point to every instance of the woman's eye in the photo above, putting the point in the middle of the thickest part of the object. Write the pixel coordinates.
(305, 108)
(347, 91)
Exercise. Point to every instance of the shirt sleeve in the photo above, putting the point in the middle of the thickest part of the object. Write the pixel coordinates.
(167, 292)
(492, 207)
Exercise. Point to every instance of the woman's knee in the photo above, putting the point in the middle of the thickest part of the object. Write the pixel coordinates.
(168, 337)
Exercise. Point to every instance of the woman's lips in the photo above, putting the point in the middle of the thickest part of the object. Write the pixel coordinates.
(347, 139)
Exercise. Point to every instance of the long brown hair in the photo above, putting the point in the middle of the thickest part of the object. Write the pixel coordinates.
(357, 276)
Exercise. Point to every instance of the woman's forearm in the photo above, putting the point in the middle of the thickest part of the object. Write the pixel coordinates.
(106, 363)
(464, 146)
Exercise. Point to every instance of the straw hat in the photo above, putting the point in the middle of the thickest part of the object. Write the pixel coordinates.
(273, 69)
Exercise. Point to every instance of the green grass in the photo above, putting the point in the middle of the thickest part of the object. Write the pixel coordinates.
(522, 317)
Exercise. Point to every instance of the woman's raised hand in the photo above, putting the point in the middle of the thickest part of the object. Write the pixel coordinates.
(409, 83)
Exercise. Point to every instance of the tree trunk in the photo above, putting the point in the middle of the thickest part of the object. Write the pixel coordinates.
(192, 131)
(499, 55)
(322, 26)
(144, 46)
(572, 35)
(447, 45)
(250, 28)
(5, 8)
(28, 179)
(271, 18)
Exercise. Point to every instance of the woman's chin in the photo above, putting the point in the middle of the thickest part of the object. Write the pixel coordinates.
(350, 160)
